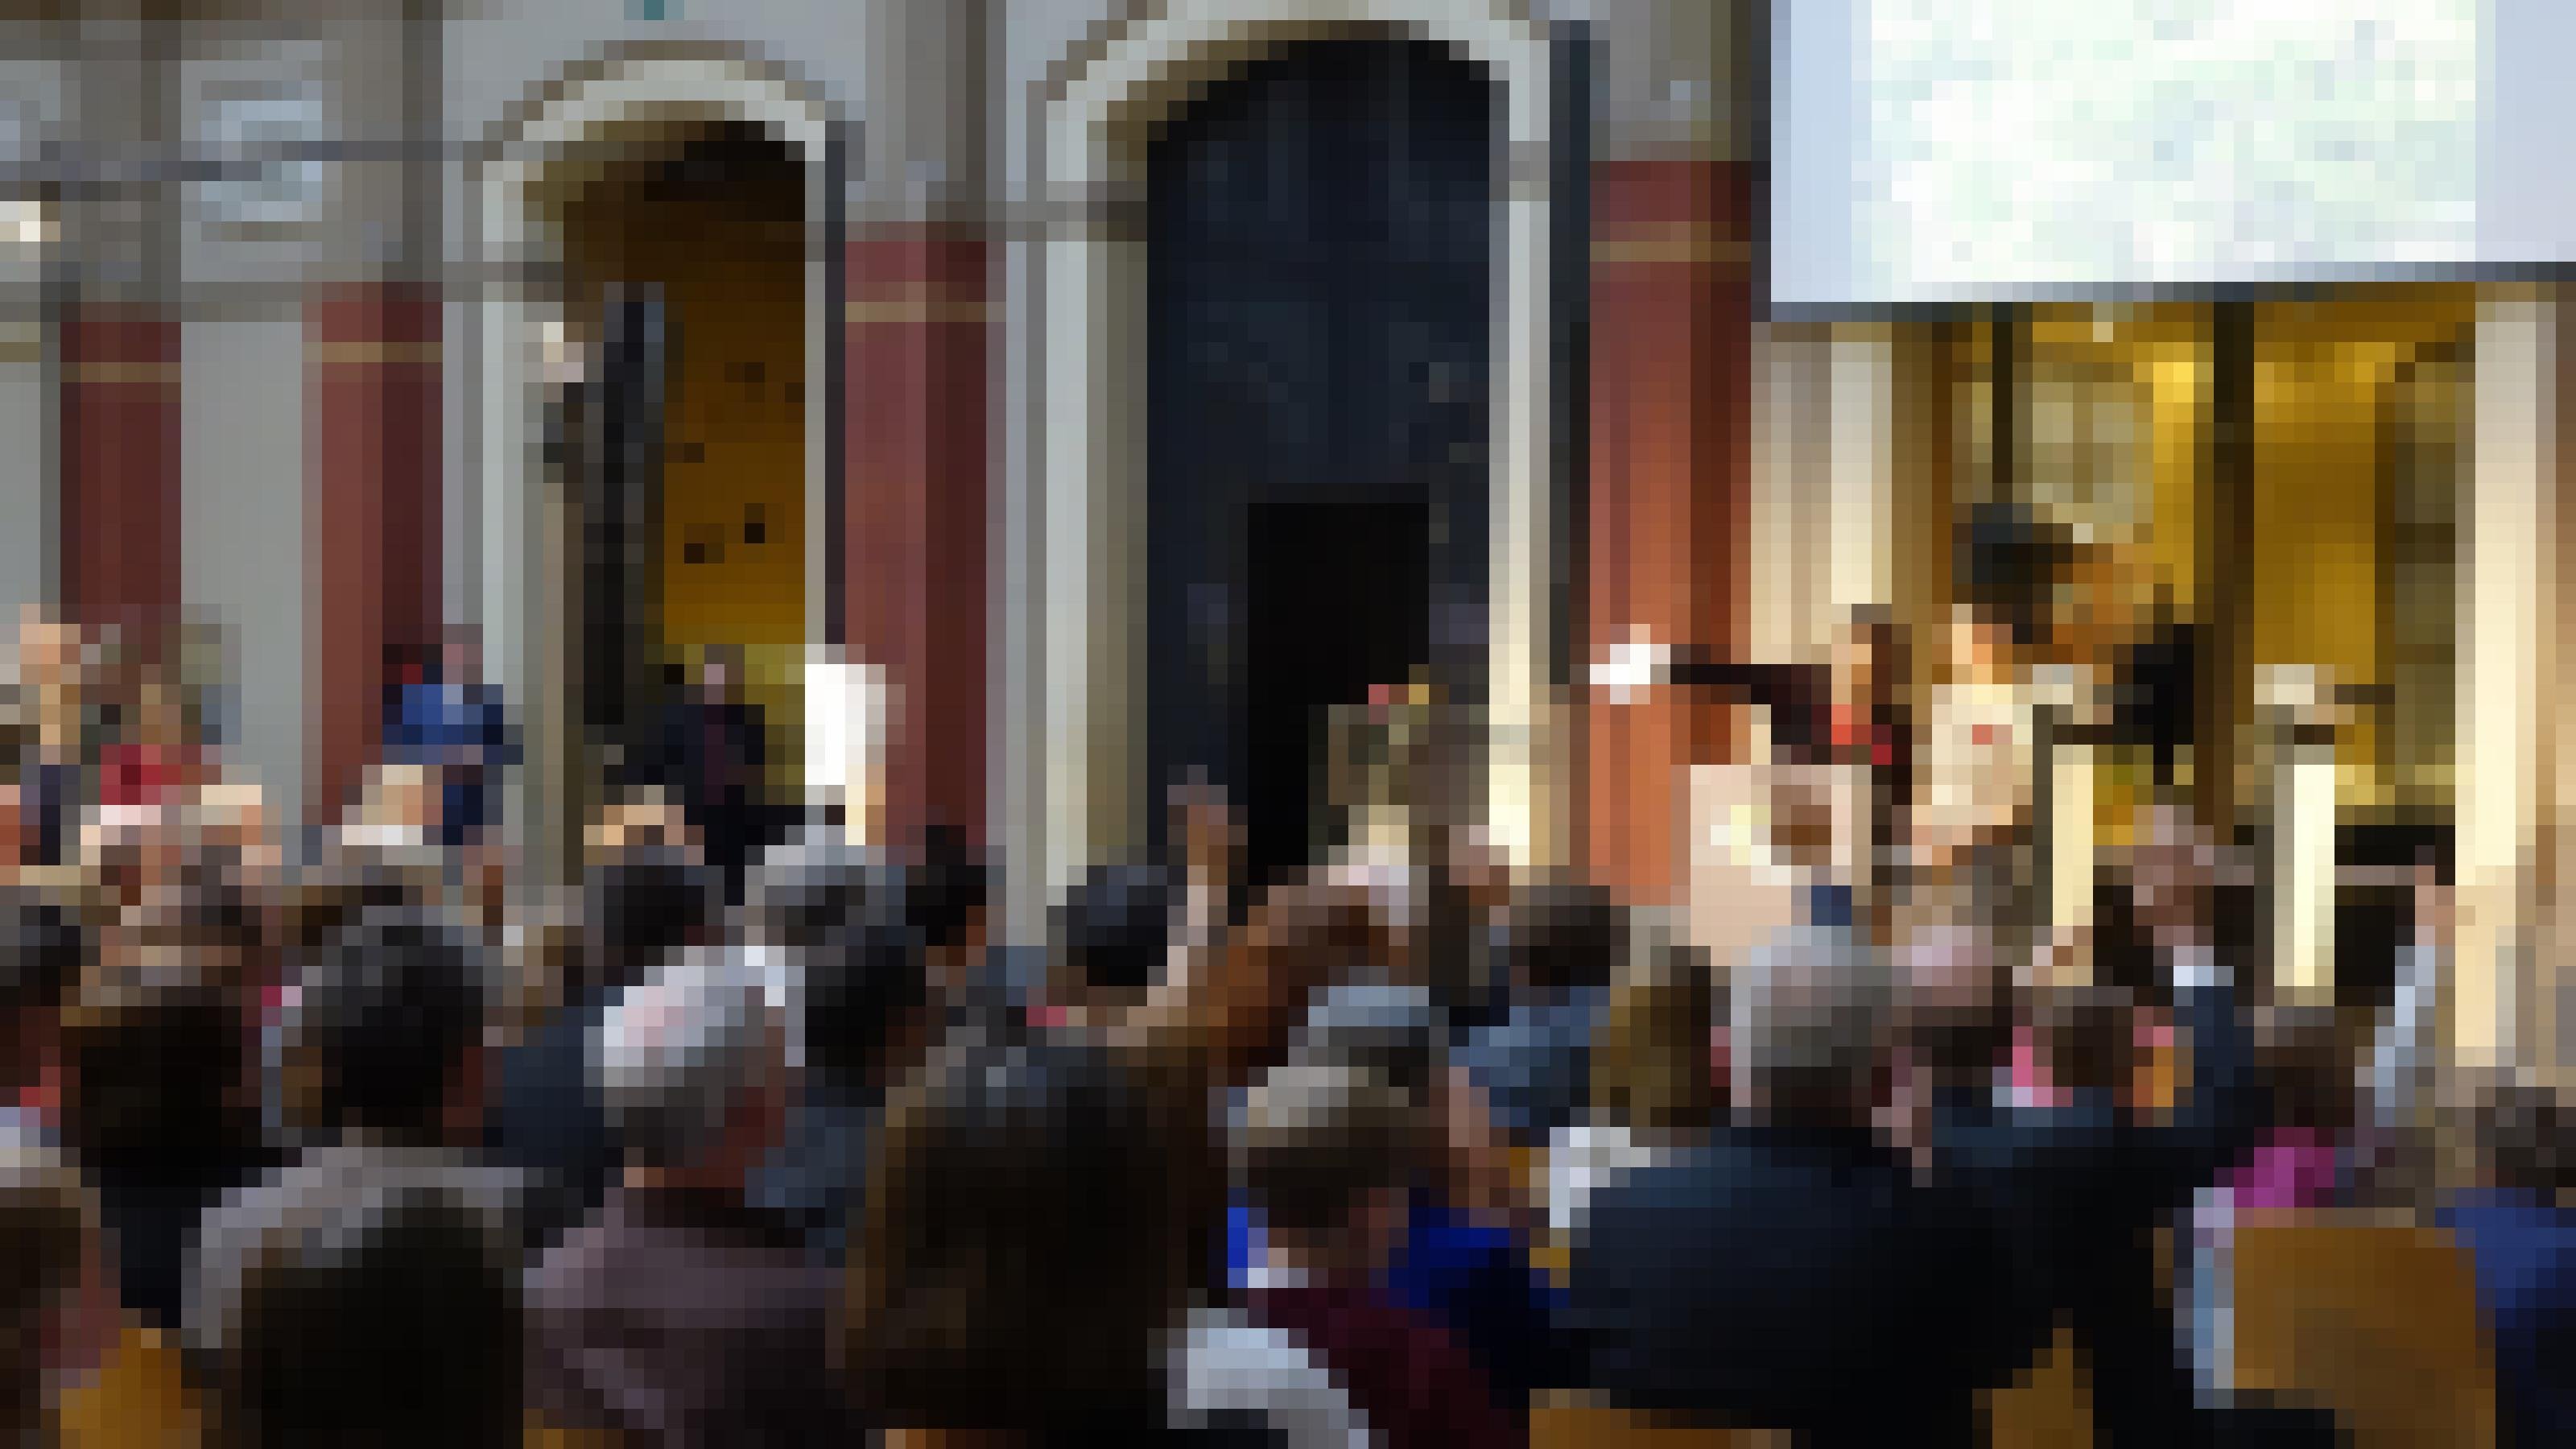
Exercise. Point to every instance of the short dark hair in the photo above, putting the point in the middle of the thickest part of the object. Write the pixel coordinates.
(404, 1329)
(1564, 935)
(2525, 1136)
(807, 894)
(861, 983)
(947, 887)
(383, 1019)
(154, 1061)
(1115, 929)
(41, 954)
(1314, 1140)
(640, 906)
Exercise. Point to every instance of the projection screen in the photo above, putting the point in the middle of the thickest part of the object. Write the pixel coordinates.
(2003, 150)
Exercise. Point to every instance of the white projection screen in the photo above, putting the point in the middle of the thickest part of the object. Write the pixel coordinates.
(2004, 150)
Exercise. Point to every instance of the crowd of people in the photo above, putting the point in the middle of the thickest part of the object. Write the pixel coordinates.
(771, 1142)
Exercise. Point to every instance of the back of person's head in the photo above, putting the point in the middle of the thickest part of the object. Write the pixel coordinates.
(946, 888)
(45, 1218)
(1313, 1143)
(810, 890)
(1953, 1003)
(386, 1023)
(1561, 935)
(1030, 1242)
(1650, 1050)
(380, 1313)
(2308, 1059)
(1114, 931)
(682, 1061)
(864, 988)
(2526, 1141)
(2087, 1036)
(153, 1050)
(639, 906)
(1394, 1032)
(1806, 1029)
(41, 948)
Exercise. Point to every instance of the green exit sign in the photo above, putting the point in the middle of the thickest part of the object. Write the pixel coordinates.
(651, 9)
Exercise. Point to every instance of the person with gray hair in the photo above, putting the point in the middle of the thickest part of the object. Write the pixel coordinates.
(1792, 1273)
(1810, 1010)
(681, 1314)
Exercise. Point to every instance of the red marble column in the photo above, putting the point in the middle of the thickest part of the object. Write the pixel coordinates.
(1672, 310)
(913, 525)
(372, 517)
(121, 532)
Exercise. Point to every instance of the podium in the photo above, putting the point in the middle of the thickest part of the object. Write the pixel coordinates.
(1759, 838)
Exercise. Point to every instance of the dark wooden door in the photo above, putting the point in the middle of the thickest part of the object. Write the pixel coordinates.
(1319, 314)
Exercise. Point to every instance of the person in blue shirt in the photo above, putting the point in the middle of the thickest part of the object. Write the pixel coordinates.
(2521, 1242)
(1471, 1276)
(449, 720)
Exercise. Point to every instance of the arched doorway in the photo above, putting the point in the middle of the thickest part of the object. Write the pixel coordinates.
(656, 129)
(1318, 326)
(680, 440)
(1076, 642)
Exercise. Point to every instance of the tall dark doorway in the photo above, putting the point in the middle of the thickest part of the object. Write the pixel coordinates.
(1319, 313)
(685, 437)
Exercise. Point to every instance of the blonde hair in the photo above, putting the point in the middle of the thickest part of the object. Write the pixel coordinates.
(1650, 1053)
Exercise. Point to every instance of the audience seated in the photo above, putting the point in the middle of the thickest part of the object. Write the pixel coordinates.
(678, 1313)
(834, 1167)
(156, 1088)
(1030, 1249)
(1790, 1274)
(638, 907)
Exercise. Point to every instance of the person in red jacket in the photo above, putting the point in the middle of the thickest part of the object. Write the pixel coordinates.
(158, 761)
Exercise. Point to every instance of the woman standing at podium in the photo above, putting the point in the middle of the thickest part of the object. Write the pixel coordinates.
(1973, 826)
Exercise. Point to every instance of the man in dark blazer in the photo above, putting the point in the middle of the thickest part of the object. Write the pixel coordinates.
(1792, 1274)
(2084, 1183)
(712, 754)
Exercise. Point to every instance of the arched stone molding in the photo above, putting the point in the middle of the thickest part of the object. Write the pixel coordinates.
(1078, 798)
(522, 542)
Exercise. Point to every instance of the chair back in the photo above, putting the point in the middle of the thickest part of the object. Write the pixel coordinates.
(2375, 1320)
